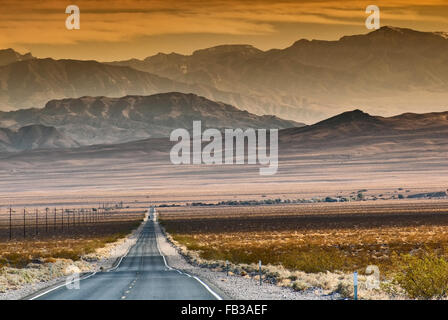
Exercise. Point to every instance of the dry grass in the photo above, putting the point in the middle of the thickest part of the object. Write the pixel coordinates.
(71, 246)
(344, 237)
(337, 238)
(35, 260)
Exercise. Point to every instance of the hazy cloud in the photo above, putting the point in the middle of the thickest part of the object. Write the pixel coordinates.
(26, 23)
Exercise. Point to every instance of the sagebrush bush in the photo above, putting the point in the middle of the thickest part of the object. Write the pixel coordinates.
(299, 286)
(345, 289)
(423, 277)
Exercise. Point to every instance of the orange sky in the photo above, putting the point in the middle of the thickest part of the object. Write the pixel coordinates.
(121, 29)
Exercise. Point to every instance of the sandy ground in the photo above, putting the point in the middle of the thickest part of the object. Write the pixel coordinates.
(140, 174)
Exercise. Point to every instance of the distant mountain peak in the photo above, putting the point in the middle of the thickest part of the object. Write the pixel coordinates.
(357, 113)
(228, 48)
(9, 55)
(390, 31)
(394, 29)
(442, 34)
(395, 35)
(349, 116)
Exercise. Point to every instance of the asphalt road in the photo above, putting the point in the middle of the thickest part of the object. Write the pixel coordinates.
(142, 275)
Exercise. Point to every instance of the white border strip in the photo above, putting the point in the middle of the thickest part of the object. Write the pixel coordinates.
(182, 272)
(60, 286)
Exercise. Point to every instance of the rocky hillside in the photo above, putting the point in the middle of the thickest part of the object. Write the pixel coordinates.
(95, 120)
(34, 137)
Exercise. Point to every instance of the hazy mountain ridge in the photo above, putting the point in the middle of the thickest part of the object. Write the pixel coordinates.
(8, 56)
(34, 137)
(104, 120)
(32, 83)
(350, 133)
(387, 71)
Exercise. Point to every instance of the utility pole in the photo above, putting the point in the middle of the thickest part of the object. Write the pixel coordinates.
(10, 223)
(37, 222)
(24, 223)
(46, 220)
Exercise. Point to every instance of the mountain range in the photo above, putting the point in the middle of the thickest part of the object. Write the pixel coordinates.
(104, 120)
(388, 71)
(126, 123)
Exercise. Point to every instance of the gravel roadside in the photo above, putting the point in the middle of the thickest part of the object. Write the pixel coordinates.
(234, 287)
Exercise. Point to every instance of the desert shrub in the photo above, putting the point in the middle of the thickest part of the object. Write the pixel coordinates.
(314, 259)
(15, 259)
(423, 277)
(299, 286)
(66, 254)
(345, 289)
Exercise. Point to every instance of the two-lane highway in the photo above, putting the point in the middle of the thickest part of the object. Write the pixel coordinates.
(142, 274)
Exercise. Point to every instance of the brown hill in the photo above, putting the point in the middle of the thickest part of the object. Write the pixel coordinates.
(93, 120)
(34, 137)
(356, 128)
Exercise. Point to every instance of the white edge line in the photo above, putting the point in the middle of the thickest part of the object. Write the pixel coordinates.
(208, 288)
(127, 252)
(60, 286)
(188, 275)
(122, 257)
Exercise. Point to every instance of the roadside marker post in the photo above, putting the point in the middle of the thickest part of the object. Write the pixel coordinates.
(355, 282)
(259, 265)
(227, 267)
